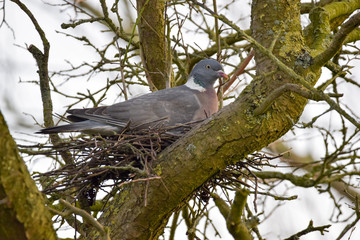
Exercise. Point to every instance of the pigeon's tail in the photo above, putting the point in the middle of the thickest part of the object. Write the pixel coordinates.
(88, 126)
(74, 127)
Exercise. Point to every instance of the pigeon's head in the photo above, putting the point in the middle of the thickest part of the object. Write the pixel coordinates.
(206, 72)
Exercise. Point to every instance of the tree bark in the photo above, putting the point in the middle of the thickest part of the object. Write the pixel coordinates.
(23, 214)
(154, 46)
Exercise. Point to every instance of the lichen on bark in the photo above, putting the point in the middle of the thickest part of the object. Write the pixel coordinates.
(23, 212)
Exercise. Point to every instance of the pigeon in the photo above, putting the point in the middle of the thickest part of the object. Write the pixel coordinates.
(194, 101)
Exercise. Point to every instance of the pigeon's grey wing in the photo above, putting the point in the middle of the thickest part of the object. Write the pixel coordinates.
(98, 114)
(166, 107)
(135, 112)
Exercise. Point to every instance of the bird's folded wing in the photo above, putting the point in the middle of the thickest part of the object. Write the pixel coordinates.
(171, 106)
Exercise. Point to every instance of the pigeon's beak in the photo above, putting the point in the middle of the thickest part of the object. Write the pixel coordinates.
(222, 74)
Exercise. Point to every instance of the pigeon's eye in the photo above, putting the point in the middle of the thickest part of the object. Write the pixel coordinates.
(207, 66)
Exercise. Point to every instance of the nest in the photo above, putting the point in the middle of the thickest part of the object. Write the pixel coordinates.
(98, 159)
(101, 162)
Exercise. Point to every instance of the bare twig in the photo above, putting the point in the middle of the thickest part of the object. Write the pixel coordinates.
(239, 71)
(309, 229)
(42, 62)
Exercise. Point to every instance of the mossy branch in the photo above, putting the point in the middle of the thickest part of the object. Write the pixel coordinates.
(312, 94)
(153, 42)
(23, 214)
(233, 214)
(353, 36)
(318, 32)
(340, 8)
(174, 225)
(337, 43)
(223, 207)
(234, 223)
(296, 180)
(104, 232)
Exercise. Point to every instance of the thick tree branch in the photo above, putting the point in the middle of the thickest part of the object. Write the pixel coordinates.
(337, 42)
(337, 9)
(325, 19)
(236, 226)
(223, 207)
(154, 45)
(233, 214)
(23, 214)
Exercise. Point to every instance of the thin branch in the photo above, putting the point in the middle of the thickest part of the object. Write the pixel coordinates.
(104, 232)
(351, 225)
(81, 21)
(220, 92)
(239, 71)
(309, 229)
(42, 62)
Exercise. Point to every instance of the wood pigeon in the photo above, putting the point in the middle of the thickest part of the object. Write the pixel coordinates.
(193, 101)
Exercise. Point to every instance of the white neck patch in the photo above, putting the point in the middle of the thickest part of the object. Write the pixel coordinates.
(192, 85)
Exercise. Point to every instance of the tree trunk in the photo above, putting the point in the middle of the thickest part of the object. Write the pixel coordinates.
(23, 214)
(154, 46)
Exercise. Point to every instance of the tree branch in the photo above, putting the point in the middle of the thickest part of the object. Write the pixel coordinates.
(337, 43)
(239, 71)
(42, 62)
(309, 229)
(312, 94)
(104, 232)
(290, 87)
(233, 214)
(23, 214)
(155, 55)
(236, 226)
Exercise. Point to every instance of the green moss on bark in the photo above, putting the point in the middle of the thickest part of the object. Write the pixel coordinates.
(154, 46)
(23, 210)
